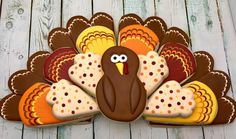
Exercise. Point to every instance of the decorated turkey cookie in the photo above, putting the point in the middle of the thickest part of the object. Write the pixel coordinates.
(69, 101)
(120, 94)
(152, 71)
(171, 100)
(86, 71)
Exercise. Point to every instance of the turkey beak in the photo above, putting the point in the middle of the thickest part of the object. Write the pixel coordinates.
(120, 67)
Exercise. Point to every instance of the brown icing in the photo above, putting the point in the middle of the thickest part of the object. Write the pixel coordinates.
(61, 37)
(9, 107)
(121, 97)
(205, 64)
(175, 35)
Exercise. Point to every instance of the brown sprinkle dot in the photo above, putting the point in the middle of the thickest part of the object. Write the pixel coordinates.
(82, 82)
(169, 105)
(162, 73)
(94, 85)
(77, 108)
(150, 73)
(157, 107)
(91, 75)
(80, 65)
(90, 63)
(161, 65)
(54, 98)
(79, 101)
(54, 87)
(57, 102)
(89, 55)
(162, 100)
(153, 62)
(178, 103)
(147, 108)
(72, 72)
(183, 97)
(171, 91)
(63, 105)
(99, 66)
(90, 107)
(73, 112)
(84, 74)
(160, 92)
(66, 94)
(144, 62)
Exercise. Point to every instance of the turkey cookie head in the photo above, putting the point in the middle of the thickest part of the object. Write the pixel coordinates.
(120, 62)
(120, 94)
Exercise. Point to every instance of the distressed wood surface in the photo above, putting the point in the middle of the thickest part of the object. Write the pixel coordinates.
(24, 27)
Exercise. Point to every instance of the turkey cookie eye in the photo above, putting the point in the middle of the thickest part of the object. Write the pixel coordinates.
(123, 58)
(115, 58)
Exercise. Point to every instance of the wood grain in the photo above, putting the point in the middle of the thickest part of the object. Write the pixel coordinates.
(14, 43)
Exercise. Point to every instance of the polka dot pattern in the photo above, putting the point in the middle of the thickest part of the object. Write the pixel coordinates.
(171, 100)
(152, 71)
(69, 101)
(86, 71)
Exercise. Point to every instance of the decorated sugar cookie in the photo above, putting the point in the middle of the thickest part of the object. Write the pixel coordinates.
(57, 64)
(152, 71)
(34, 109)
(171, 100)
(69, 101)
(141, 36)
(180, 60)
(86, 71)
(121, 96)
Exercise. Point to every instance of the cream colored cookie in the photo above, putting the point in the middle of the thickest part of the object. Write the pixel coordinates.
(69, 101)
(171, 100)
(86, 71)
(152, 71)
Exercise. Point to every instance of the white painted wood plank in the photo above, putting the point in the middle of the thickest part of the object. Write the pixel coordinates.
(229, 40)
(14, 39)
(174, 13)
(140, 128)
(103, 127)
(75, 7)
(206, 35)
(232, 3)
(45, 16)
(71, 8)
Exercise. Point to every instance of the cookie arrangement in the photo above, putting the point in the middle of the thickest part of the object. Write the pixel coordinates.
(149, 72)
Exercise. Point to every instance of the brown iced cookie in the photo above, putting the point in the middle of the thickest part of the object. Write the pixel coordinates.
(205, 64)
(22, 79)
(8, 107)
(175, 35)
(61, 37)
(156, 24)
(19, 82)
(120, 94)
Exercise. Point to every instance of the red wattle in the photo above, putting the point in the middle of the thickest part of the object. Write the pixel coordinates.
(126, 68)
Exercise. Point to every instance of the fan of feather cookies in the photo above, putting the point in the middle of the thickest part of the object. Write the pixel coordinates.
(149, 72)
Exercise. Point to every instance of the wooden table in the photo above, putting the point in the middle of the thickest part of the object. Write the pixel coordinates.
(24, 30)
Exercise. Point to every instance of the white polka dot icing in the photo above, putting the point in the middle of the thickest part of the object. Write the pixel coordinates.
(170, 100)
(152, 71)
(86, 71)
(69, 101)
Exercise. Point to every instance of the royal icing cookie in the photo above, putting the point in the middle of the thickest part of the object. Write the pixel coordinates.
(120, 94)
(152, 71)
(180, 61)
(61, 37)
(96, 39)
(170, 100)
(34, 109)
(204, 111)
(176, 35)
(86, 71)
(69, 101)
(57, 64)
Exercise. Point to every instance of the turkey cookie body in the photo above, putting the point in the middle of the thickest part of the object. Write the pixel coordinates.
(120, 94)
